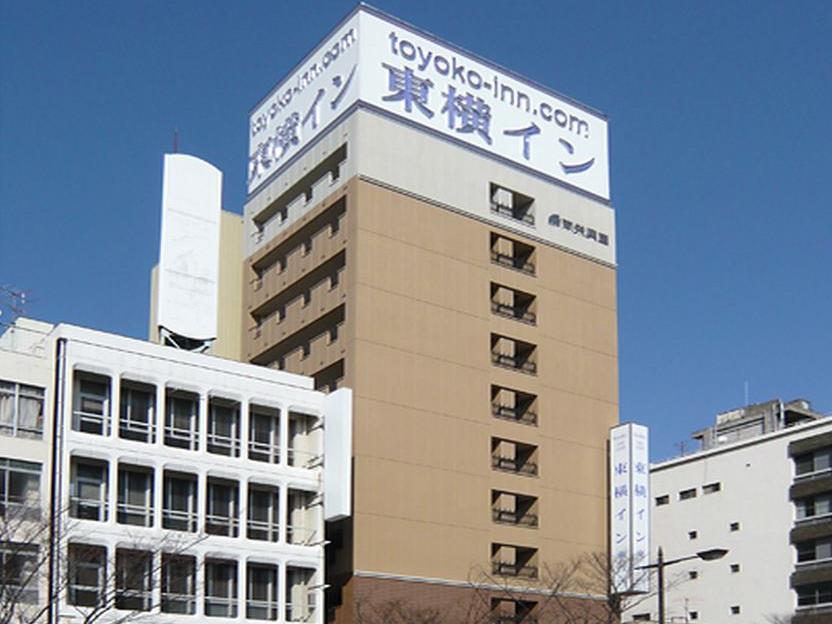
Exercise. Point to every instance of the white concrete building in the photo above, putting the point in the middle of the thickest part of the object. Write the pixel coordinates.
(185, 485)
(734, 494)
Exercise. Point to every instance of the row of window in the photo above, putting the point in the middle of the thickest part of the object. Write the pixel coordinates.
(710, 488)
(21, 410)
(130, 576)
(182, 421)
(222, 513)
(813, 461)
(692, 615)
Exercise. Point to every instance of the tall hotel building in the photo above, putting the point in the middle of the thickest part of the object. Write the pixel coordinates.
(435, 232)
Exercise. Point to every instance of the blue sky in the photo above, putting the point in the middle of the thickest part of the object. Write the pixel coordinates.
(720, 140)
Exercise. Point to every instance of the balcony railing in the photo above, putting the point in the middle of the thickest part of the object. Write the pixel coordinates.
(506, 516)
(223, 445)
(85, 595)
(516, 414)
(221, 525)
(136, 430)
(180, 438)
(513, 262)
(137, 515)
(88, 508)
(264, 452)
(182, 604)
(518, 215)
(263, 530)
(218, 606)
(133, 599)
(87, 422)
(178, 520)
(514, 362)
(514, 569)
(513, 312)
(261, 609)
(512, 464)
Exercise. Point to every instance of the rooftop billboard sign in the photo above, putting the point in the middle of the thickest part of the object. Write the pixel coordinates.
(374, 61)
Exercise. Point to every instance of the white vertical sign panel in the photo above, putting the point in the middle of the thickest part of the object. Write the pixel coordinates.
(189, 253)
(629, 507)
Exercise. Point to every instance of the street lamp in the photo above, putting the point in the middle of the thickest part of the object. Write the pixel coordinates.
(706, 555)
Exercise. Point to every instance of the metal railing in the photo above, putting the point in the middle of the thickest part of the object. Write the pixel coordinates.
(222, 525)
(137, 430)
(512, 464)
(514, 362)
(263, 530)
(136, 515)
(518, 214)
(514, 569)
(516, 414)
(182, 604)
(514, 312)
(507, 516)
(178, 520)
(223, 445)
(513, 262)
(87, 422)
(217, 606)
(133, 599)
(181, 438)
(264, 451)
(88, 508)
(85, 595)
(261, 609)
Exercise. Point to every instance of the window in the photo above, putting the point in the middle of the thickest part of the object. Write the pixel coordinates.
(301, 517)
(734, 526)
(694, 615)
(301, 603)
(19, 563)
(179, 510)
(88, 490)
(508, 404)
(222, 508)
(641, 617)
(135, 496)
(692, 535)
(514, 561)
(178, 584)
(21, 410)
(814, 461)
(711, 488)
(812, 506)
(693, 574)
(264, 434)
(514, 354)
(735, 610)
(137, 419)
(304, 440)
(815, 594)
(182, 419)
(512, 204)
(686, 494)
(261, 593)
(514, 304)
(91, 406)
(263, 513)
(511, 253)
(19, 490)
(814, 550)
(224, 427)
(87, 567)
(134, 577)
(664, 499)
(220, 588)
(514, 509)
(735, 567)
(511, 456)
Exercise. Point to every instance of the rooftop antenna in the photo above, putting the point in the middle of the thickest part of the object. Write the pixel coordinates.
(176, 140)
(682, 446)
(13, 300)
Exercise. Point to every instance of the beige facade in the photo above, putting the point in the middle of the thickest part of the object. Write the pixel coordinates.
(483, 359)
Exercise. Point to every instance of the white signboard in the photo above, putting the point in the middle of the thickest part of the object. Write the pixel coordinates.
(394, 69)
(190, 247)
(629, 507)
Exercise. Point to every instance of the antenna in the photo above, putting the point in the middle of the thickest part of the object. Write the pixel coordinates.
(13, 300)
(682, 446)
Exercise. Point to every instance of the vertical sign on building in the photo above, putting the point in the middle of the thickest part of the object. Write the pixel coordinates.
(629, 508)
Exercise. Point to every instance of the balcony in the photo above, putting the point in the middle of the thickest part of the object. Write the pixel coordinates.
(512, 204)
(512, 516)
(514, 405)
(513, 354)
(513, 304)
(514, 457)
(503, 568)
(512, 254)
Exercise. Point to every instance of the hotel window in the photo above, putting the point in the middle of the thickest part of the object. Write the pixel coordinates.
(87, 582)
(137, 420)
(513, 304)
(88, 489)
(178, 584)
(135, 496)
(182, 419)
(134, 576)
(91, 406)
(514, 561)
(21, 410)
(514, 405)
(516, 457)
(514, 509)
(220, 588)
(179, 505)
(513, 354)
(19, 490)
(224, 427)
(511, 253)
(512, 204)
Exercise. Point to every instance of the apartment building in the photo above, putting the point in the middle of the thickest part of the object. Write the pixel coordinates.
(185, 486)
(446, 249)
(760, 488)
